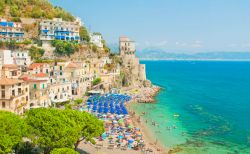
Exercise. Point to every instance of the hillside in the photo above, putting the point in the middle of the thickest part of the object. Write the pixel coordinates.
(32, 9)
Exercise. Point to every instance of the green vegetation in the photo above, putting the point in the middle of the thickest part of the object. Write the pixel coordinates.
(48, 60)
(96, 81)
(94, 47)
(105, 46)
(63, 151)
(59, 104)
(64, 48)
(55, 128)
(50, 129)
(35, 53)
(34, 9)
(78, 101)
(84, 34)
(12, 129)
(109, 67)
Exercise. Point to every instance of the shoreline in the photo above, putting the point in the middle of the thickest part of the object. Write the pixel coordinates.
(144, 96)
(150, 141)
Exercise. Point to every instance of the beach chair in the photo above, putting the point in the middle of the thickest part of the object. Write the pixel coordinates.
(111, 147)
(124, 148)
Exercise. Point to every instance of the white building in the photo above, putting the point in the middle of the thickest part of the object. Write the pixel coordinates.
(57, 29)
(11, 31)
(21, 58)
(96, 39)
(5, 57)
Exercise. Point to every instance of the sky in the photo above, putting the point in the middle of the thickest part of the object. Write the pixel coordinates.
(169, 25)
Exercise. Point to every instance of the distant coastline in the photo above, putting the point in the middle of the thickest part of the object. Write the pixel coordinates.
(235, 60)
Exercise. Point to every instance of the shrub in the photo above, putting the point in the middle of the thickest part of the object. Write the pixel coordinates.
(78, 101)
(96, 81)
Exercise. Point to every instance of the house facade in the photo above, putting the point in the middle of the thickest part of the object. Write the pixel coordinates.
(14, 95)
(21, 58)
(57, 29)
(11, 31)
(96, 39)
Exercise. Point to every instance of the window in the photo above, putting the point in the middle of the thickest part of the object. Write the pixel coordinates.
(60, 67)
(34, 86)
(27, 98)
(19, 91)
(60, 73)
(3, 104)
(3, 94)
(3, 87)
(43, 86)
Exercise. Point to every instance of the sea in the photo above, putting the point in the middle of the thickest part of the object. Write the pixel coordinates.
(203, 107)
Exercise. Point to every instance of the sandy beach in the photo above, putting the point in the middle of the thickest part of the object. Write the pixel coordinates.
(150, 141)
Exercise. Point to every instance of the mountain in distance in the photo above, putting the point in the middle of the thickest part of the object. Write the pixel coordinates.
(154, 54)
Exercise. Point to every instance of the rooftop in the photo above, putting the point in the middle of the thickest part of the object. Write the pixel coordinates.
(7, 81)
(40, 75)
(10, 66)
(34, 65)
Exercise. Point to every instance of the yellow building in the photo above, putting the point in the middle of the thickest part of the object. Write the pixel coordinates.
(14, 95)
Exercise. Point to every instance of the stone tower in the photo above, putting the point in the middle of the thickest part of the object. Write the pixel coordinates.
(130, 62)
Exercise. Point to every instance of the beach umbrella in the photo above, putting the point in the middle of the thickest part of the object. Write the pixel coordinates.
(125, 112)
(120, 137)
(100, 110)
(104, 136)
(130, 126)
(106, 110)
(118, 112)
(120, 121)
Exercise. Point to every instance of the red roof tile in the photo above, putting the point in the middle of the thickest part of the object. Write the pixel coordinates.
(41, 75)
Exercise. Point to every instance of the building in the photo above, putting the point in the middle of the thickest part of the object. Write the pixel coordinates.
(11, 71)
(5, 57)
(36, 68)
(96, 39)
(14, 95)
(21, 58)
(60, 92)
(11, 31)
(39, 91)
(130, 62)
(57, 29)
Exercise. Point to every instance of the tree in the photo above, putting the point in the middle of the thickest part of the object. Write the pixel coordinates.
(2, 6)
(94, 48)
(14, 11)
(89, 125)
(93, 128)
(36, 12)
(64, 48)
(12, 129)
(96, 81)
(84, 34)
(63, 151)
(54, 128)
(51, 128)
(35, 52)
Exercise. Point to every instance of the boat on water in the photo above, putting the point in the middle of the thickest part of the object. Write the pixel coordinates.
(176, 115)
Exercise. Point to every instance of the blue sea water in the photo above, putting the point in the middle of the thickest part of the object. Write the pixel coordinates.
(212, 100)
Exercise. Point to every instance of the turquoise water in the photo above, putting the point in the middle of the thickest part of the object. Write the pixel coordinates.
(212, 100)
